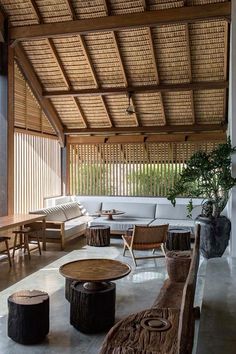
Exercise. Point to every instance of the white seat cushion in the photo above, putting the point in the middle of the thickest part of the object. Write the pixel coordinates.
(121, 223)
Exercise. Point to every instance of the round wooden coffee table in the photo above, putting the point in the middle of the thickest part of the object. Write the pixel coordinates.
(92, 299)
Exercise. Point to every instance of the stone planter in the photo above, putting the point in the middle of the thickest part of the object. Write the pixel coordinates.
(215, 234)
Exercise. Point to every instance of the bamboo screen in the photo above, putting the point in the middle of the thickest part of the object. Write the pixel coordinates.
(144, 169)
(37, 171)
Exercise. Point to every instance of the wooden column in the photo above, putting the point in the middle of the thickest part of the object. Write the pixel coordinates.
(6, 129)
(64, 170)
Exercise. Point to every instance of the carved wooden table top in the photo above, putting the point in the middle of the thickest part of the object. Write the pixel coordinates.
(95, 270)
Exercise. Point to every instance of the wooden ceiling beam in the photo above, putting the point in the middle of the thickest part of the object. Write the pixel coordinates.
(110, 91)
(85, 121)
(112, 23)
(119, 139)
(151, 129)
(36, 88)
(190, 70)
(71, 9)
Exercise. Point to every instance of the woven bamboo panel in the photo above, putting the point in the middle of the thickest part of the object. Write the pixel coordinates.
(165, 4)
(44, 64)
(117, 108)
(202, 2)
(94, 111)
(170, 44)
(141, 169)
(68, 112)
(207, 43)
(37, 171)
(209, 106)
(105, 61)
(74, 62)
(136, 53)
(91, 9)
(178, 107)
(19, 12)
(53, 10)
(149, 108)
(121, 7)
(28, 114)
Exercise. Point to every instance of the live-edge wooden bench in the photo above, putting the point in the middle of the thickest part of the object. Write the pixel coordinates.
(167, 327)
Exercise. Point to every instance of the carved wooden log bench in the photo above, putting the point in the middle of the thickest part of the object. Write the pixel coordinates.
(167, 327)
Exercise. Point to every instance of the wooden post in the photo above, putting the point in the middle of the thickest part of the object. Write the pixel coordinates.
(6, 129)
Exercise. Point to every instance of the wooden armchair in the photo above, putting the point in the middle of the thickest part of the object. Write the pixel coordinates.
(146, 238)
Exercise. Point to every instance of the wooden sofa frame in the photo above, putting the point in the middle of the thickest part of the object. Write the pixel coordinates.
(167, 327)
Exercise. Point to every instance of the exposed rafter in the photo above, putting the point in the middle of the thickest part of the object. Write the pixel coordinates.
(112, 23)
(36, 88)
(154, 59)
(205, 85)
(57, 57)
(151, 129)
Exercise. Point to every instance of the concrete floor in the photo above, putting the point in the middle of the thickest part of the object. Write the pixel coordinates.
(135, 292)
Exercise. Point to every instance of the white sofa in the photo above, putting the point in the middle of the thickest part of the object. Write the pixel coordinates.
(137, 211)
(64, 222)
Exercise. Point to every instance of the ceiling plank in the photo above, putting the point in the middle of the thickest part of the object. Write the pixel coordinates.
(151, 129)
(36, 88)
(111, 23)
(204, 85)
(188, 47)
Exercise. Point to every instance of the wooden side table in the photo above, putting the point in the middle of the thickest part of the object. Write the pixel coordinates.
(92, 298)
(178, 240)
(98, 236)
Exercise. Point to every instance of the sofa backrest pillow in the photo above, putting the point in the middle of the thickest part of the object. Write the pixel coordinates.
(52, 214)
(133, 210)
(89, 207)
(179, 212)
(71, 210)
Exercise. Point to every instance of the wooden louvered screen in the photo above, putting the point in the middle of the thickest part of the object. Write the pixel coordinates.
(145, 169)
(27, 111)
(37, 171)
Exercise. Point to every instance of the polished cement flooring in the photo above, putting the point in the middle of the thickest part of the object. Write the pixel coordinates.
(135, 292)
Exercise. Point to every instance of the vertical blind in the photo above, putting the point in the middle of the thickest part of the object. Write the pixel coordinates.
(138, 169)
(37, 171)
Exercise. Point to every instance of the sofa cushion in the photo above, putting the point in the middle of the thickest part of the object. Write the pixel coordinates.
(90, 207)
(121, 223)
(55, 213)
(189, 224)
(71, 210)
(136, 210)
(167, 211)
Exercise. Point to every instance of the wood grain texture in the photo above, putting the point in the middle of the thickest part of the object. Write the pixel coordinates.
(95, 270)
(98, 236)
(92, 311)
(28, 320)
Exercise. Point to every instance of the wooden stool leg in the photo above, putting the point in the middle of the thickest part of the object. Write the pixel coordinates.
(26, 245)
(38, 244)
(8, 252)
(14, 246)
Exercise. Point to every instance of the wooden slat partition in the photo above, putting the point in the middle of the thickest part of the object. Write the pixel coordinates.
(37, 171)
(128, 169)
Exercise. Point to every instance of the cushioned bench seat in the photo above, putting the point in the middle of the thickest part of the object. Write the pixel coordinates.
(121, 224)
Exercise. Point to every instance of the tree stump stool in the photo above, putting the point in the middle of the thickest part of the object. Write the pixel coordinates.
(178, 240)
(68, 290)
(28, 319)
(178, 264)
(98, 236)
(93, 310)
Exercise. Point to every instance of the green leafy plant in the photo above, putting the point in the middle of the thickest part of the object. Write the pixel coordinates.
(206, 175)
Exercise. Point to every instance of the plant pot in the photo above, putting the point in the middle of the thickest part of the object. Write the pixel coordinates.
(215, 234)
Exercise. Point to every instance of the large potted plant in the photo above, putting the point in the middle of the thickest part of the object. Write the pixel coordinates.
(208, 175)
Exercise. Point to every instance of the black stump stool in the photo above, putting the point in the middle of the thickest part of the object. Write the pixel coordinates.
(92, 310)
(28, 319)
(98, 236)
(178, 240)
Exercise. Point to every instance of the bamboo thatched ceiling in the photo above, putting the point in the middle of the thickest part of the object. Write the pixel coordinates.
(82, 59)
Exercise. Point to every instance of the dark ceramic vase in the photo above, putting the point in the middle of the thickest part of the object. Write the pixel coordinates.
(215, 234)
